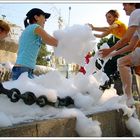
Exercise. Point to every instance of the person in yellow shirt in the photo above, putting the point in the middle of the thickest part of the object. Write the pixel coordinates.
(116, 27)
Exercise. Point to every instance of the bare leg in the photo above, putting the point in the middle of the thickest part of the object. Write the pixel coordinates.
(124, 64)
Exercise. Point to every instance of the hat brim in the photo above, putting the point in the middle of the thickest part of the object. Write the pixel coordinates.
(47, 15)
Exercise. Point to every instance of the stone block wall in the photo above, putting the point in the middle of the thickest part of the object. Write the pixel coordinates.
(8, 51)
(112, 125)
(46, 128)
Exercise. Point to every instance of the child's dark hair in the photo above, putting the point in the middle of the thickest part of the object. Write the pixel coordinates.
(113, 13)
(28, 21)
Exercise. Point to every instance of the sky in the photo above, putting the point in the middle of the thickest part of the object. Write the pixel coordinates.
(71, 12)
(80, 13)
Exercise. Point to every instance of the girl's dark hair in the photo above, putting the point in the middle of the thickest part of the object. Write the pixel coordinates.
(113, 13)
(30, 20)
(26, 22)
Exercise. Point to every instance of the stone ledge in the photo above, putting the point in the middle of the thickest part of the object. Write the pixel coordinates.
(112, 125)
(7, 56)
(46, 128)
(9, 46)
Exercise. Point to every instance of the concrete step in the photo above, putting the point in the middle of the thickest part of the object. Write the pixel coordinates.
(112, 125)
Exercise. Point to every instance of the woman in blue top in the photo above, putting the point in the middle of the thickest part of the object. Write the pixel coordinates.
(30, 42)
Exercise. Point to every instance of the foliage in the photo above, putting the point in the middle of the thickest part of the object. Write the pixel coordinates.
(42, 56)
(101, 42)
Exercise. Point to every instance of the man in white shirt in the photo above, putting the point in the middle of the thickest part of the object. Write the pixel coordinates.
(125, 63)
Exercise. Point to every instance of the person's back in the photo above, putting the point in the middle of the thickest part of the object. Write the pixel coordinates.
(29, 45)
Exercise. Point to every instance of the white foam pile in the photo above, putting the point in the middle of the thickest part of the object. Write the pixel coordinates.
(74, 43)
